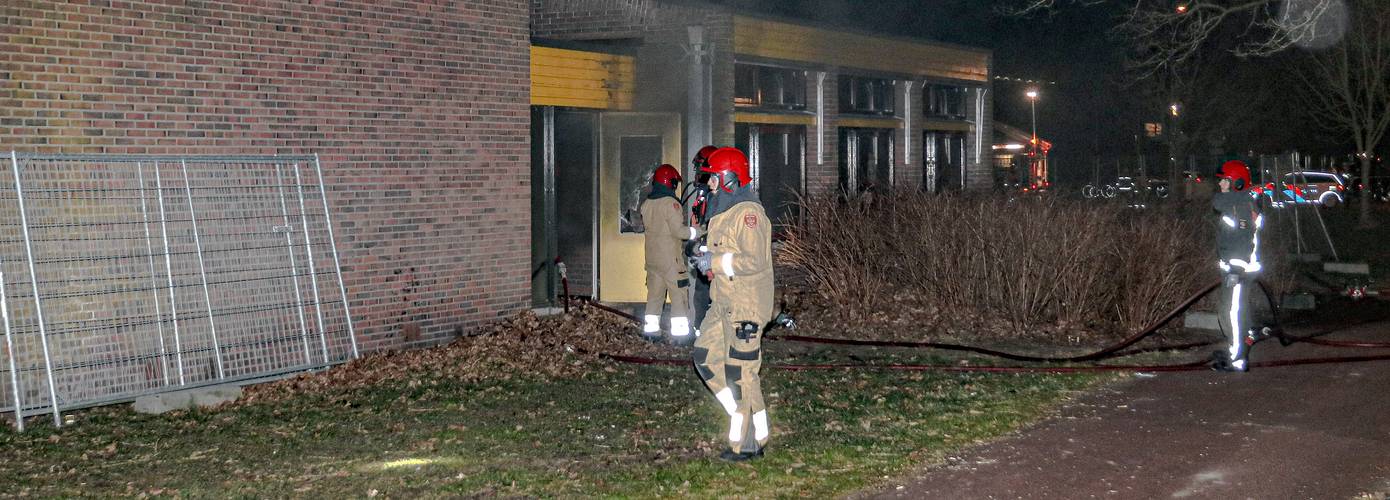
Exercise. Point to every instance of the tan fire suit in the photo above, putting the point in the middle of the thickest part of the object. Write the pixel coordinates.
(728, 354)
(667, 273)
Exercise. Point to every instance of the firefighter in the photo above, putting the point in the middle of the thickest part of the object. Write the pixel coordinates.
(738, 261)
(698, 196)
(667, 273)
(1238, 252)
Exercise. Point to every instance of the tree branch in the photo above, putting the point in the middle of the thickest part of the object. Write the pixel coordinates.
(1167, 33)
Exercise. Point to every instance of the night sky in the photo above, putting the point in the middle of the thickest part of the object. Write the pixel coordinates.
(1096, 107)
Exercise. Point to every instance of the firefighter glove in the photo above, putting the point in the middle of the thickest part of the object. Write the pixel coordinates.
(1231, 279)
(703, 262)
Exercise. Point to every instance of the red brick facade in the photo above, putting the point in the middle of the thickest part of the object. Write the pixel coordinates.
(419, 110)
(822, 170)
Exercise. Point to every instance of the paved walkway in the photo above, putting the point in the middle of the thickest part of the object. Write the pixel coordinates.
(1313, 431)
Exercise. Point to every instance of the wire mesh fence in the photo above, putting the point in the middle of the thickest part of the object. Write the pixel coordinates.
(130, 275)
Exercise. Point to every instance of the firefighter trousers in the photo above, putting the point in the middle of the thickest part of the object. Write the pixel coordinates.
(1233, 314)
(699, 301)
(659, 286)
(728, 362)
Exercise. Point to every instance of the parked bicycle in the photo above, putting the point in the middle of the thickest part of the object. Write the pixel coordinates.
(1125, 186)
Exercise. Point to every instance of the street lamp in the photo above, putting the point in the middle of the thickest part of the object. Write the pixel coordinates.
(1033, 105)
(1173, 129)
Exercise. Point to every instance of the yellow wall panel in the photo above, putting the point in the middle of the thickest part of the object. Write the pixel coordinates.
(946, 125)
(774, 118)
(845, 121)
(574, 78)
(776, 40)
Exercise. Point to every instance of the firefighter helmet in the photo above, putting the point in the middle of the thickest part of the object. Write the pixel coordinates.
(1237, 173)
(730, 166)
(701, 159)
(666, 175)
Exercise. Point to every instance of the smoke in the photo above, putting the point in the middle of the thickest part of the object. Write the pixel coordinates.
(639, 11)
(1314, 24)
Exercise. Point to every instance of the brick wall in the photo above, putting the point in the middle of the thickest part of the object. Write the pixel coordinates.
(418, 110)
(822, 174)
(588, 19)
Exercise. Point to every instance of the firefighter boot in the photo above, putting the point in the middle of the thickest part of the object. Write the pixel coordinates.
(730, 455)
(1222, 363)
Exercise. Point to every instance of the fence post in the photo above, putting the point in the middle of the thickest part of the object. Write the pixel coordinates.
(9, 350)
(207, 297)
(154, 280)
(313, 272)
(34, 284)
(169, 271)
(294, 268)
(337, 266)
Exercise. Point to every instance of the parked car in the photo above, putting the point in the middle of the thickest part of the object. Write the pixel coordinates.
(1316, 188)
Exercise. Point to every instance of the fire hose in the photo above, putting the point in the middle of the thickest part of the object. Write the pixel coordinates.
(1112, 351)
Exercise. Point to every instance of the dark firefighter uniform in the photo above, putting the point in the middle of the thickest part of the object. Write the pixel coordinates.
(1238, 254)
(728, 355)
(698, 199)
(667, 274)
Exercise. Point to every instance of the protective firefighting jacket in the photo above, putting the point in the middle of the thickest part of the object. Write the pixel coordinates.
(740, 243)
(1237, 236)
(665, 233)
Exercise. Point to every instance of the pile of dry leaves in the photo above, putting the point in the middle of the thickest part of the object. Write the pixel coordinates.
(525, 345)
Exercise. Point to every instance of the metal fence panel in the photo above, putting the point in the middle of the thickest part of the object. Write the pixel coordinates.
(129, 275)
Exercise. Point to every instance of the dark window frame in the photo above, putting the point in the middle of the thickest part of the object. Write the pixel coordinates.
(769, 87)
(943, 101)
(865, 95)
(778, 198)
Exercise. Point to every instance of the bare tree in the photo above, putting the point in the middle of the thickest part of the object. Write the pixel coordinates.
(1170, 32)
(1350, 86)
(1203, 101)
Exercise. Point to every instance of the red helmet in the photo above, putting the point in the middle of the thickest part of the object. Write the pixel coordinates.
(666, 175)
(729, 164)
(701, 158)
(1237, 172)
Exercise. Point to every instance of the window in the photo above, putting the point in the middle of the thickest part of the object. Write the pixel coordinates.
(945, 101)
(776, 154)
(866, 159)
(758, 86)
(639, 155)
(944, 157)
(862, 95)
(1322, 178)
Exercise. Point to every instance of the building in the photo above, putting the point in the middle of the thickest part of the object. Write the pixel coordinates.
(419, 112)
(818, 110)
(465, 146)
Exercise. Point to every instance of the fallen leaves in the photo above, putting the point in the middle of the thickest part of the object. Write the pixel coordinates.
(525, 345)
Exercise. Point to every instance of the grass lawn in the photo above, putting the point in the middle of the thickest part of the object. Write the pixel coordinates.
(618, 430)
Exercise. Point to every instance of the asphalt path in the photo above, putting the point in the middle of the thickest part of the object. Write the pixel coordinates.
(1313, 431)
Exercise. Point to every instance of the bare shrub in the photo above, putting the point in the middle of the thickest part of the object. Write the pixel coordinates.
(1034, 265)
(1161, 258)
(836, 254)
